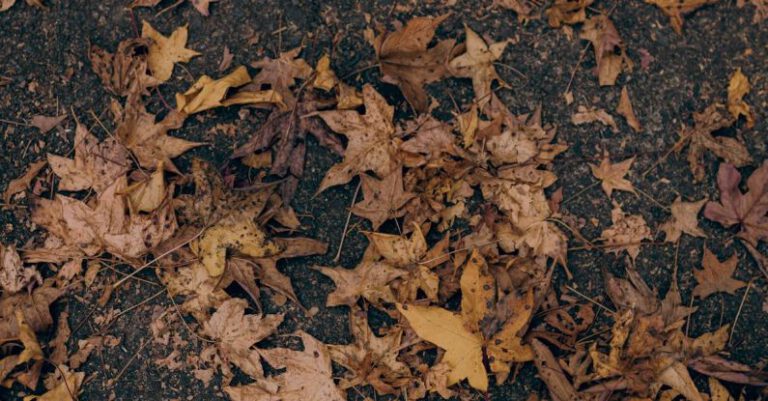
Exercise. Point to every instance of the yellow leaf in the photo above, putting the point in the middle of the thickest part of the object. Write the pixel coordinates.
(242, 235)
(348, 97)
(399, 250)
(27, 336)
(148, 195)
(507, 346)
(739, 87)
(463, 348)
(477, 291)
(717, 391)
(325, 78)
(65, 390)
(208, 93)
(165, 51)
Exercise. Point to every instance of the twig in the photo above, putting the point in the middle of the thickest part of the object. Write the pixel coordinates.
(649, 197)
(346, 224)
(169, 8)
(130, 361)
(738, 313)
(576, 67)
(607, 309)
(157, 294)
(581, 192)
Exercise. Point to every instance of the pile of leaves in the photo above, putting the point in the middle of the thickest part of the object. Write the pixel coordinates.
(466, 280)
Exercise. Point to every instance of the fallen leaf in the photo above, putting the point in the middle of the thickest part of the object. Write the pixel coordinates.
(368, 280)
(325, 78)
(45, 124)
(676, 9)
(149, 194)
(716, 276)
(626, 233)
(738, 87)
(22, 183)
(749, 210)
(280, 75)
(718, 392)
(406, 60)
(600, 31)
(125, 71)
(684, 220)
(568, 12)
(612, 175)
(372, 144)
(226, 59)
(589, 115)
(164, 52)
(66, 389)
(625, 109)
(35, 308)
(236, 233)
(202, 6)
(477, 63)
(207, 93)
(523, 8)
(761, 9)
(382, 199)
(14, 277)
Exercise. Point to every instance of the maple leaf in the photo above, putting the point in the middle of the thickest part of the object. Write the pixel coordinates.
(307, 376)
(626, 233)
(738, 87)
(325, 78)
(600, 31)
(749, 210)
(683, 220)
(406, 61)
(45, 124)
(371, 359)
(236, 333)
(676, 9)
(125, 71)
(382, 199)
(148, 194)
(20, 184)
(280, 74)
(35, 308)
(372, 144)
(368, 280)
(612, 175)
(237, 233)
(568, 12)
(148, 139)
(208, 93)
(716, 276)
(477, 63)
(164, 52)
(13, 275)
(699, 138)
(95, 165)
(625, 109)
(589, 115)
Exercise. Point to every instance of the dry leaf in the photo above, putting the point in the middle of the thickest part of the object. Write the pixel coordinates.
(749, 209)
(65, 390)
(716, 276)
(738, 87)
(382, 199)
(280, 75)
(207, 93)
(45, 124)
(625, 109)
(477, 63)
(676, 9)
(226, 59)
(22, 183)
(126, 71)
(626, 233)
(523, 8)
(165, 51)
(372, 144)
(684, 220)
(14, 277)
(368, 280)
(601, 32)
(406, 61)
(589, 115)
(238, 234)
(568, 12)
(325, 78)
(612, 175)
(148, 195)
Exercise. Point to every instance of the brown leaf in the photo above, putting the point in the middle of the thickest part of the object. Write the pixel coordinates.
(684, 220)
(126, 71)
(406, 60)
(625, 109)
(612, 175)
(738, 87)
(477, 63)
(208, 93)
(280, 75)
(626, 233)
(164, 52)
(699, 138)
(45, 124)
(601, 32)
(13, 275)
(716, 276)
(382, 199)
(568, 12)
(325, 78)
(589, 115)
(22, 183)
(35, 308)
(676, 9)
(749, 210)
(372, 144)
(368, 280)
(226, 59)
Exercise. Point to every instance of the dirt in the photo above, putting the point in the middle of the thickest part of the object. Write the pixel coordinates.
(43, 54)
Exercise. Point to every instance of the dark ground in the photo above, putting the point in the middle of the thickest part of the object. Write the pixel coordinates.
(43, 53)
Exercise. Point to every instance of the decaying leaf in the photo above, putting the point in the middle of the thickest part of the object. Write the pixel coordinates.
(368, 280)
(684, 220)
(372, 144)
(477, 63)
(749, 210)
(626, 233)
(716, 276)
(609, 49)
(164, 52)
(45, 123)
(568, 12)
(66, 388)
(738, 87)
(407, 61)
(13, 275)
(382, 199)
(126, 70)
(207, 93)
(586, 115)
(22, 183)
(625, 109)
(612, 175)
(280, 74)
(325, 78)
(676, 9)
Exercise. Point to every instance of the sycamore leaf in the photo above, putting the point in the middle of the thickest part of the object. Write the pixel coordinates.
(477, 63)
(241, 235)
(684, 220)
(716, 276)
(280, 75)
(149, 194)
(446, 329)
(124, 72)
(372, 144)
(406, 61)
(382, 199)
(676, 9)
(236, 333)
(626, 233)
(612, 175)
(208, 93)
(165, 51)
(307, 376)
(95, 165)
(738, 87)
(699, 138)
(749, 210)
(625, 109)
(600, 31)
(368, 280)
(22, 183)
